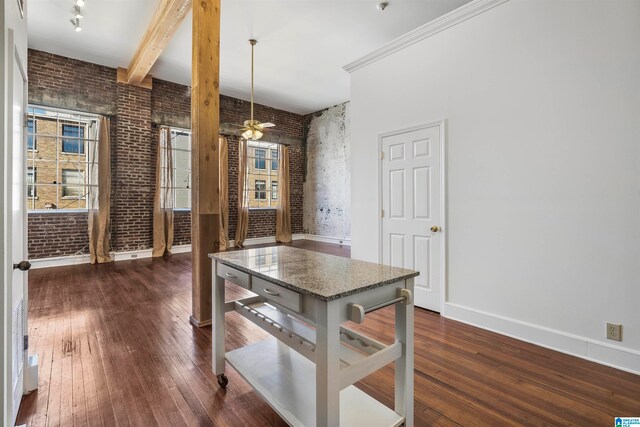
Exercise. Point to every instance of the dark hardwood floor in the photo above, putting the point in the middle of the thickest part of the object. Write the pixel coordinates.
(116, 348)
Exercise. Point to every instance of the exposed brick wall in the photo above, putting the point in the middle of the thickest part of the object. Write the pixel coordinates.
(56, 81)
(171, 104)
(61, 82)
(181, 228)
(135, 170)
(52, 235)
(236, 111)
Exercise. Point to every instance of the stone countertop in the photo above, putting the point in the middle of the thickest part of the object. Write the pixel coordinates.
(326, 277)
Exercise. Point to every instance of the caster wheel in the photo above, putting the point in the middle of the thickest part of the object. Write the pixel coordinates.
(223, 380)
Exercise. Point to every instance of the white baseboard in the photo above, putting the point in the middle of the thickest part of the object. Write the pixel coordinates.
(301, 236)
(604, 353)
(84, 259)
(262, 240)
(344, 241)
(146, 253)
(59, 261)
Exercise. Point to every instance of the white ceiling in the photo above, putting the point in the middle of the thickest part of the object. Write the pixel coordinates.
(302, 44)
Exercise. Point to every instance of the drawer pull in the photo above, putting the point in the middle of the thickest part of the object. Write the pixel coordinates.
(270, 292)
(233, 276)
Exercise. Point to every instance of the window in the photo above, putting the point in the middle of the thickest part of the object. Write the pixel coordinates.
(60, 171)
(72, 183)
(260, 160)
(262, 174)
(181, 146)
(31, 134)
(261, 189)
(74, 143)
(31, 179)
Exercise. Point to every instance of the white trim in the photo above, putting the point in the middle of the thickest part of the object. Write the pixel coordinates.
(84, 259)
(441, 124)
(452, 18)
(261, 240)
(146, 253)
(586, 348)
(181, 249)
(344, 241)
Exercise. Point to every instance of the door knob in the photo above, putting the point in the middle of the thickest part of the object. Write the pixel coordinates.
(434, 229)
(22, 265)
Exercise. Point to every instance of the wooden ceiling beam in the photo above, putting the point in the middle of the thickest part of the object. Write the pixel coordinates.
(168, 17)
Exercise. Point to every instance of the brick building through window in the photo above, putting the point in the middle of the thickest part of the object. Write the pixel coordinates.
(262, 174)
(61, 147)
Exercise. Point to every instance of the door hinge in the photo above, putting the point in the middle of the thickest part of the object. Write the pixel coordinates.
(26, 343)
(26, 120)
(382, 155)
(382, 213)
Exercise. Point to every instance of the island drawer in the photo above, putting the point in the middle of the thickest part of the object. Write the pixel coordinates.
(278, 294)
(238, 277)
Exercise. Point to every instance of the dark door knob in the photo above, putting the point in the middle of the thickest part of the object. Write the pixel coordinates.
(22, 265)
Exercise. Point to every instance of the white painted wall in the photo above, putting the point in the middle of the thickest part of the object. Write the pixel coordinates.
(327, 185)
(542, 102)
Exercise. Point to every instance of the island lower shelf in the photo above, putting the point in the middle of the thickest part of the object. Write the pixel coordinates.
(287, 381)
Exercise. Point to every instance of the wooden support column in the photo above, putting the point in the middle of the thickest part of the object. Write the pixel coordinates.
(205, 123)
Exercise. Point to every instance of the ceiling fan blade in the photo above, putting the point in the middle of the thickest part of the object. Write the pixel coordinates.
(267, 125)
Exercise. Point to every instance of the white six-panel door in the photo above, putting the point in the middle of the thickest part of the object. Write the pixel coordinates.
(412, 230)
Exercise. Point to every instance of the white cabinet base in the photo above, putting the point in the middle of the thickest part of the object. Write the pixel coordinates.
(287, 381)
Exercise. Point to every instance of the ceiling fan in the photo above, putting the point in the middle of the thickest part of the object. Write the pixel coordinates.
(253, 129)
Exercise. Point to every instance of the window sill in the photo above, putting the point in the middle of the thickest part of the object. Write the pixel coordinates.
(56, 211)
(71, 198)
(262, 209)
(182, 209)
(33, 198)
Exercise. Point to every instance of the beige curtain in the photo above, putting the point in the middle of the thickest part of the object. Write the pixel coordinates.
(283, 210)
(224, 194)
(99, 198)
(243, 195)
(163, 199)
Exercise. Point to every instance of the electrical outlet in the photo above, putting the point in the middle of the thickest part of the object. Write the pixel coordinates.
(614, 332)
(134, 255)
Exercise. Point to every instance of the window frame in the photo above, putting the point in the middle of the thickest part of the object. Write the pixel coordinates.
(64, 186)
(173, 133)
(268, 174)
(78, 139)
(32, 134)
(54, 160)
(33, 171)
(258, 192)
(260, 159)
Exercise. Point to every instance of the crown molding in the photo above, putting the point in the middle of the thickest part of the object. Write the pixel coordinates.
(461, 14)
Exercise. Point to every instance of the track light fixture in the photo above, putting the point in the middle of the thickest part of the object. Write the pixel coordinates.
(76, 24)
(80, 3)
(77, 12)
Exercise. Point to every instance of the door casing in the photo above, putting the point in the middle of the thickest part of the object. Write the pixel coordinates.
(441, 124)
